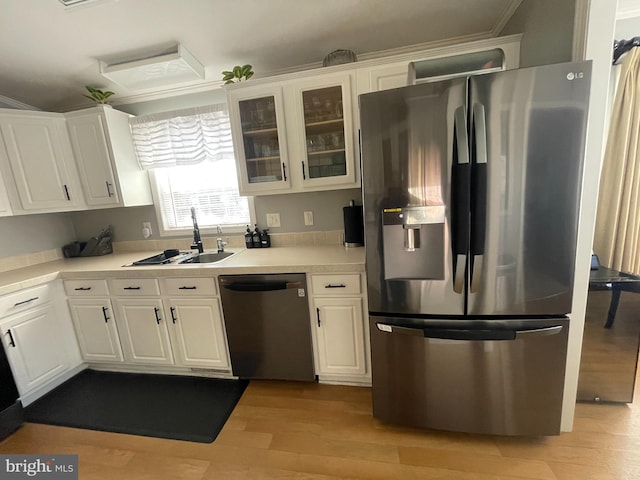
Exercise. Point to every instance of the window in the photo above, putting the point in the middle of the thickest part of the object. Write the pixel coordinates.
(189, 154)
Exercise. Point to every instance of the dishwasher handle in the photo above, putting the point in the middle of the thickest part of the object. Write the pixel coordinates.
(260, 286)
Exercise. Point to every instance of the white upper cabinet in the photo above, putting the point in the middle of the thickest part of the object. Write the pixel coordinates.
(106, 159)
(394, 72)
(259, 139)
(294, 134)
(299, 132)
(323, 141)
(5, 206)
(37, 164)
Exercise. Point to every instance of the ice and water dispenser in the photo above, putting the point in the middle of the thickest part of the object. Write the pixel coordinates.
(413, 242)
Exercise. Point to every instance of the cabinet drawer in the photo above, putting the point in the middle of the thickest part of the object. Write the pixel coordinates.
(191, 286)
(338, 284)
(86, 288)
(24, 299)
(134, 286)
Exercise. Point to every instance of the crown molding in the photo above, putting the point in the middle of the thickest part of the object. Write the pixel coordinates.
(506, 16)
(7, 102)
(625, 12)
(394, 54)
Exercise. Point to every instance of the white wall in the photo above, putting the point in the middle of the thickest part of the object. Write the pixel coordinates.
(598, 43)
(547, 29)
(627, 28)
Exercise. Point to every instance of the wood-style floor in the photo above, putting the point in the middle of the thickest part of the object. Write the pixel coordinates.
(309, 431)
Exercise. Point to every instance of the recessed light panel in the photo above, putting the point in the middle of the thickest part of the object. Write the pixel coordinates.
(158, 71)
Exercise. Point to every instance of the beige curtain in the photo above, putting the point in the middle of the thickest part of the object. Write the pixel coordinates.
(617, 237)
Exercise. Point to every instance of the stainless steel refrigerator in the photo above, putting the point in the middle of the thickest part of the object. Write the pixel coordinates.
(471, 193)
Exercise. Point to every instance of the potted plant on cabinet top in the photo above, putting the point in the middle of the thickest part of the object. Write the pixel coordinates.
(237, 72)
(97, 95)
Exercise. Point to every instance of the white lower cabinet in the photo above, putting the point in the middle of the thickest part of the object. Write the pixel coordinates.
(34, 354)
(96, 329)
(196, 326)
(38, 338)
(339, 328)
(149, 323)
(176, 325)
(340, 334)
(143, 331)
(197, 332)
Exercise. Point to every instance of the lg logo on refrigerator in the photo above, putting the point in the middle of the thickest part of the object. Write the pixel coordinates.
(573, 76)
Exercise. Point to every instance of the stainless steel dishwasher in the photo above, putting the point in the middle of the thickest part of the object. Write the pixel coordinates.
(268, 326)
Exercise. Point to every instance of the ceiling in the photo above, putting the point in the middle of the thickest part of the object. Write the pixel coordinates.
(48, 53)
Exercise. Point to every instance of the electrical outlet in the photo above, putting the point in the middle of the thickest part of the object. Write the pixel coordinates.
(273, 220)
(308, 218)
(146, 229)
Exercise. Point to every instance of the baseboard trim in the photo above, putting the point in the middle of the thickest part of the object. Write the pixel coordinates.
(34, 395)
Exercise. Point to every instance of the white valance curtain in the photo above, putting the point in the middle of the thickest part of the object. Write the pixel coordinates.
(182, 137)
(617, 235)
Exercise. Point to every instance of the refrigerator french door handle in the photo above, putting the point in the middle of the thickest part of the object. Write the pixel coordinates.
(479, 195)
(462, 334)
(449, 333)
(462, 139)
(414, 332)
(539, 332)
(460, 199)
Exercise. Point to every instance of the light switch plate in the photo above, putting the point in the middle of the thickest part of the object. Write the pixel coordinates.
(308, 218)
(273, 219)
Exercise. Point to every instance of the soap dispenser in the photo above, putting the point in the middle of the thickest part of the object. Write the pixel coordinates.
(248, 238)
(265, 239)
(256, 237)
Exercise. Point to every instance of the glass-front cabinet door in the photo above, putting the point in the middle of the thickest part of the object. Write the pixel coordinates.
(259, 142)
(328, 157)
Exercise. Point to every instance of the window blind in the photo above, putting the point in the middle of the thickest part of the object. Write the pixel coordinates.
(191, 155)
(182, 137)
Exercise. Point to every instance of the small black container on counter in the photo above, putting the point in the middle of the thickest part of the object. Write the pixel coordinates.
(265, 239)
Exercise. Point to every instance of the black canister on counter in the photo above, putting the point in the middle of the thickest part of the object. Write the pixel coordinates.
(353, 225)
(248, 238)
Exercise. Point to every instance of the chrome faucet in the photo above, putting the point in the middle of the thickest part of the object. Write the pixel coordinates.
(221, 243)
(197, 241)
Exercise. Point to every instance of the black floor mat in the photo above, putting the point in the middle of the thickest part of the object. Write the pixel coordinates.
(166, 406)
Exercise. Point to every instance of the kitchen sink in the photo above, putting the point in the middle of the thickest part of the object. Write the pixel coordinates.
(206, 257)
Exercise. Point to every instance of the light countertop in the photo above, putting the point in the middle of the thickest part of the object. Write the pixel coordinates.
(301, 259)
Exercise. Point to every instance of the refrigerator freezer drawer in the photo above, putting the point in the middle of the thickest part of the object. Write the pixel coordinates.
(480, 380)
